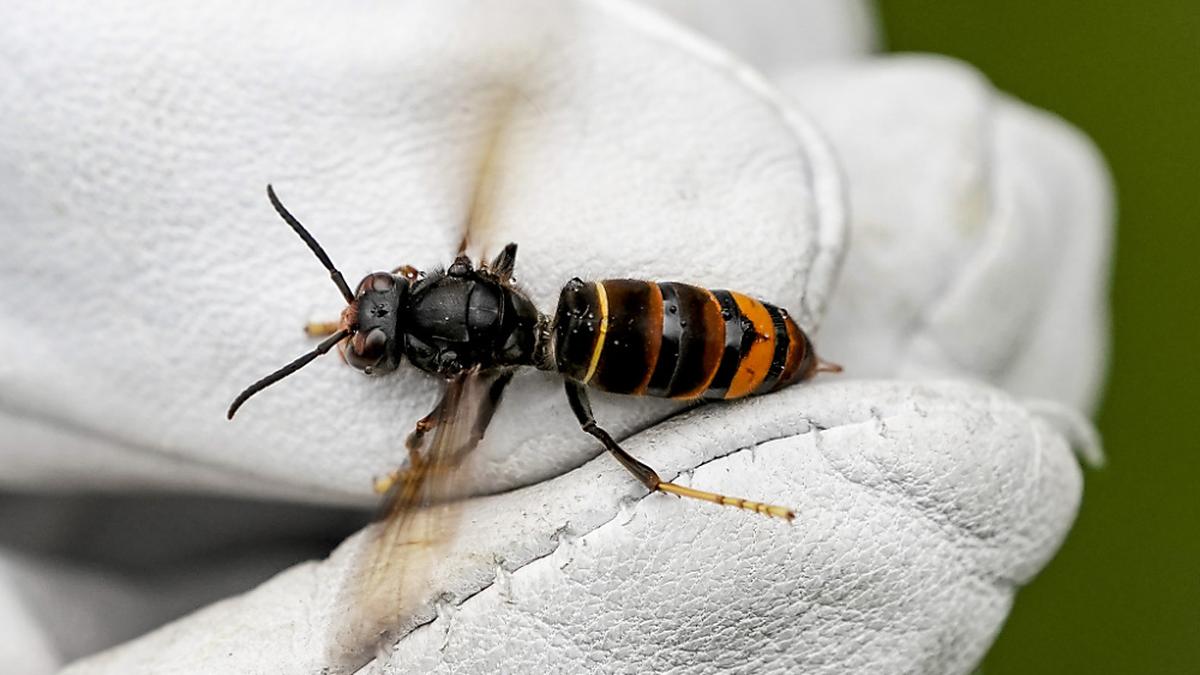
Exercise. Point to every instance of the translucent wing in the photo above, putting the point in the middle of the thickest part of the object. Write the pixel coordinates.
(389, 579)
(488, 171)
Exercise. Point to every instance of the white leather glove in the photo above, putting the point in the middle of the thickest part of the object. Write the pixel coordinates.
(146, 281)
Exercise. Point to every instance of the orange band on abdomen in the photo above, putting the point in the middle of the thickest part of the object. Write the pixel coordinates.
(756, 362)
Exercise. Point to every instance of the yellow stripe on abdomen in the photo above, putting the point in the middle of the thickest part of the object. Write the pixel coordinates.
(602, 306)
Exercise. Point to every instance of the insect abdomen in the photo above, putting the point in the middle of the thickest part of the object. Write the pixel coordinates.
(676, 340)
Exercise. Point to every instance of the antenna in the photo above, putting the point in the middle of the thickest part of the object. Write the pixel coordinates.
(286, 370)
(312, 245)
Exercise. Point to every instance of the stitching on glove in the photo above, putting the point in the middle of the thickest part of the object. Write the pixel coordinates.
(812, 428)
(564, 534)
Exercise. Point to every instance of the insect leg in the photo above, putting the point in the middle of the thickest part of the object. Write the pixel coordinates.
(416, 439)
(422, 427)
(487, 407)
(321, 328)
(461, 267)
(578, 398)
(413, 443)
(408, 272)
(582, 407)
(504, 263)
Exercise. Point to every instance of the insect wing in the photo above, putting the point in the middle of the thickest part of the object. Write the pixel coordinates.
(392, 567)
(488, 173)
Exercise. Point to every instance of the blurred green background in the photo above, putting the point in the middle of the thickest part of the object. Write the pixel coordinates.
(1123, 595)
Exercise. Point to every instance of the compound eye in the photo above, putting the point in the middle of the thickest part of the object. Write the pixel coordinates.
(380, 282)
(367, 350)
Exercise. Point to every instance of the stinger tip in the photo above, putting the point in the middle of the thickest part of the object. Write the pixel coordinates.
(827, 367)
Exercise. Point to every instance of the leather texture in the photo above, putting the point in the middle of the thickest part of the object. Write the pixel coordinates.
(920, 508)
(191, 287)
(990, 220)
(146, 280)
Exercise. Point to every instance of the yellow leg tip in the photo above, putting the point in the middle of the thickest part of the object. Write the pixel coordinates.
(385, 483)
(320, 328)
(781, 512)
(769, 510)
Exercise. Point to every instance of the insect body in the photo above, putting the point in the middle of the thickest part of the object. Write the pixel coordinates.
(674, 340)
(621, 335)
(473, 328)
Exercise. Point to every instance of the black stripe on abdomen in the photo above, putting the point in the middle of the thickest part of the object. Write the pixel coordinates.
(668, 351)
(731, 357)
(702, 343)
(779, 358)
